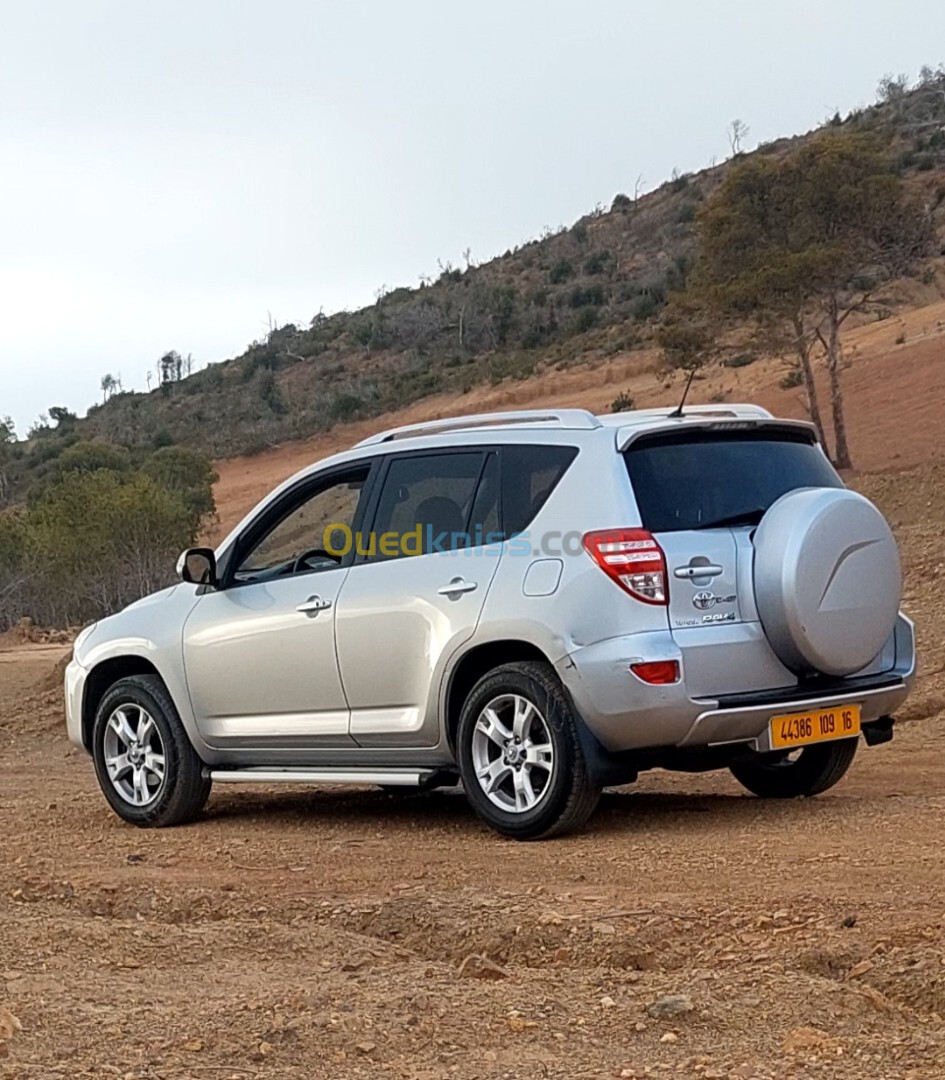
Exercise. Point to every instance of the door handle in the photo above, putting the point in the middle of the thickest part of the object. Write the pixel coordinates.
(456, 586)
(698, 571)
(313, 605)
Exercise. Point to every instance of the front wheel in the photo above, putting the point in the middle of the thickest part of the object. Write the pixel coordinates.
(520, 756)
(786, 775)
(146, 767)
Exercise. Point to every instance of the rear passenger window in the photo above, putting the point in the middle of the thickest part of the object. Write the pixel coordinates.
(529, 475)
(432, 492)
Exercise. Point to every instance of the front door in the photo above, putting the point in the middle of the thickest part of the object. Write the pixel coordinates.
(259, 653)
(406, 608)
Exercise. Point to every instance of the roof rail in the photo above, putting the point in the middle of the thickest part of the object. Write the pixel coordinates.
(562, 418)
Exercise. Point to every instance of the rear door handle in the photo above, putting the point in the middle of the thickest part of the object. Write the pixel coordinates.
(456, 586)
(698, 571)
(313, 605)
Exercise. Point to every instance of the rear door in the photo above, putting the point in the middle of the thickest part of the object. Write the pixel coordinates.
(417, 593)
(702, 492)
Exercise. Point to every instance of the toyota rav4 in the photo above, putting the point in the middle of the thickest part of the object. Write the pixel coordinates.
(537, 604)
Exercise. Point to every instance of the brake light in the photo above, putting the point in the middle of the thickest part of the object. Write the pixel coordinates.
(657, 672)
(631, 558)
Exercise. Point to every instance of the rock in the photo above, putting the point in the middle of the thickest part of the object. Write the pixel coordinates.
(366, 1047)
(669, 1037)
(515, 1023)
(849, 922)
(562, 956)
(193, 1046)
(603, 928)
(476, 966)
(670, 1005)
(607, 1002)
(806, 1038)
(9, 1026)
(860, 969)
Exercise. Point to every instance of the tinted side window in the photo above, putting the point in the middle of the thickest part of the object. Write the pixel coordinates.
(432, 492)
(690, 481)
(529, 475)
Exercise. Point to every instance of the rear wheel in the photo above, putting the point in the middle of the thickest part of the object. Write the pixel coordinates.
(146, 767)
(787, 775)
(520, 755)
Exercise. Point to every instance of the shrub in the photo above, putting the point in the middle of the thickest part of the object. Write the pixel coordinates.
(621, 203)
(739, 360)
(599, 262)
(623, 402)
(592, 296)
(645, 307)
(585, 319)
(560, 272)
(344, 406)
(793, 378)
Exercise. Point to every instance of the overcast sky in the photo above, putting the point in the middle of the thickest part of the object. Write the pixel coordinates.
(171, 173)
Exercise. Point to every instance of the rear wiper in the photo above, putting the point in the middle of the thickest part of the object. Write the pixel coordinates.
(744, 517)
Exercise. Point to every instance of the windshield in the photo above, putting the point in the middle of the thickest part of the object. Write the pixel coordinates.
(713, 479)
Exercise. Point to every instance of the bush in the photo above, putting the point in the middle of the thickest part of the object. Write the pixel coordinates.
(592, 296)
(645, 307)
(793, 378)
(585, 319)
(621, 203)
(599, 262)
(344, 406)
(739, 360)
(623, 402)
(561, 272)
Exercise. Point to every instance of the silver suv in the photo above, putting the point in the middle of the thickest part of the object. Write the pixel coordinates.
(537, 604)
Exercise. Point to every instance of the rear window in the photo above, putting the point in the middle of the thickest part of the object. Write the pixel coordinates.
(701, 480)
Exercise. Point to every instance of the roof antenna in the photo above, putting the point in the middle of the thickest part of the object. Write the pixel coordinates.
(678, 410)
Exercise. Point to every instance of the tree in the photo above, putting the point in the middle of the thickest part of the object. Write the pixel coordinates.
(687, 334)
(800, 243)
(61, 416)
(171, 366)
(109, 385)
(7, 440)
(737, 133)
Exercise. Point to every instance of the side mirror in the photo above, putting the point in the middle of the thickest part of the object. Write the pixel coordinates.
(198, 566)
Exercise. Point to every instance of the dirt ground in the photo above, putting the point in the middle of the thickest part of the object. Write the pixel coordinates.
(347, 933)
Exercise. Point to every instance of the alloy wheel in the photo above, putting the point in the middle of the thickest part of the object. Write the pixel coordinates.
(134, 755)
(513, 753)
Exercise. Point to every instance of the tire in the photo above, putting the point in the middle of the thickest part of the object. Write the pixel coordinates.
(548, 760)
(816, 768)
(136, 725)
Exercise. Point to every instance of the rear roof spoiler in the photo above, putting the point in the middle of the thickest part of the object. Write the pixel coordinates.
(716, 422)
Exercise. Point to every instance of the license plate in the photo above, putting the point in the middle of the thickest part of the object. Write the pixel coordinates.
(799, 729)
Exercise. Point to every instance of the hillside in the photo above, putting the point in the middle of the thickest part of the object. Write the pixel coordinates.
(551, 310)
(895, 401)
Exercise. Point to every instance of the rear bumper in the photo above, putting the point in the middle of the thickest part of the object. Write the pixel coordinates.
(626, 714)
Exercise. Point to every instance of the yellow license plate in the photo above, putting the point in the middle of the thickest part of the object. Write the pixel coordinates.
(799, 729)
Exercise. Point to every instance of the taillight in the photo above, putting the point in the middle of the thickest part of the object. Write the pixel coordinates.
(633, 559)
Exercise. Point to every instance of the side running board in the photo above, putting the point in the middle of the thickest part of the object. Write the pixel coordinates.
(385, 777)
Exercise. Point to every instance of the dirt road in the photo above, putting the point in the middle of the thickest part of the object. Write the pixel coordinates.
(339, 933)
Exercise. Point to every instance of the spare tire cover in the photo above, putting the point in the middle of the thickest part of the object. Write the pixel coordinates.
(827, 580)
